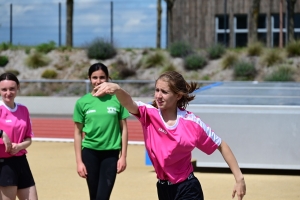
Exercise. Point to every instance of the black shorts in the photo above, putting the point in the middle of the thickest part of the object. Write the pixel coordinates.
(189, 189)
(15, 171)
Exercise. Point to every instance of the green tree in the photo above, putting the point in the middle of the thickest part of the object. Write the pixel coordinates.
(69, 31)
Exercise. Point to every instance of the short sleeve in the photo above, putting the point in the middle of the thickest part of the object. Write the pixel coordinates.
(78, 115)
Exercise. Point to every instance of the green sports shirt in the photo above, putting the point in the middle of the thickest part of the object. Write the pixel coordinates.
(100, 117)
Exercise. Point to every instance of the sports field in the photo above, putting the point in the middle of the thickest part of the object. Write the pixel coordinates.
(54, 169)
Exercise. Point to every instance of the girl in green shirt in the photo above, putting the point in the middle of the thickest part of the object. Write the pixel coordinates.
(100, 137)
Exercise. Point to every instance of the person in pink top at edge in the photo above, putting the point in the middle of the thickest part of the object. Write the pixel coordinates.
(16, 179)
(171, 133)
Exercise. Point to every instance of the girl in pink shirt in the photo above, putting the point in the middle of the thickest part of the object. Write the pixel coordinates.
(16, 179)
(171, 133)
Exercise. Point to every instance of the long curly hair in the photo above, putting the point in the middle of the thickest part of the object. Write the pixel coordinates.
(178, 85)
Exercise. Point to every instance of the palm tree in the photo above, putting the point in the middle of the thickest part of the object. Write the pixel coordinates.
(170, 4)
(69, 31)
(253, 21)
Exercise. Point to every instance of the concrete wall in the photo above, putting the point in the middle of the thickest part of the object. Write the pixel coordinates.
(264, 137)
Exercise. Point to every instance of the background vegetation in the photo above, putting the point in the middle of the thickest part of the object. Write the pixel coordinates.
(216, 63)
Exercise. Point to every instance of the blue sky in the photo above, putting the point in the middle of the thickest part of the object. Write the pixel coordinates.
(37, 21)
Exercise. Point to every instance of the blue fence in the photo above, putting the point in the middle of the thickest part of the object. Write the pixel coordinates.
(129, 24)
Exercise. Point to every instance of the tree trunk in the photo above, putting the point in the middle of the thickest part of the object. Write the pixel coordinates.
(253, 21)
(158, 31)
(170, 4)
(281, 24)
(291, 11)
(69, 31)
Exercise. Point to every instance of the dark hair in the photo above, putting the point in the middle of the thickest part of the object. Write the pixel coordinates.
(96, 67)
(178, 85)
(9, 76)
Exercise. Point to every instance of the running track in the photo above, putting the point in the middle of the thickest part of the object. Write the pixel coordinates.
(63, 128)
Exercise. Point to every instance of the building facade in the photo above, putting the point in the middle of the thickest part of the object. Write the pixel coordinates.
(203, 23)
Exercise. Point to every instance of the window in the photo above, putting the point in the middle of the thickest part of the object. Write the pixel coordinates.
(297, 26)
(241, 22)
(275, 24)
(262, 28)
(222, 29)
(240, 30)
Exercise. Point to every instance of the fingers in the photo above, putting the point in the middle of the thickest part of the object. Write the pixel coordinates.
(82, 172)
(8, 147)
(240, 195)
(233, 193)
(120, 170)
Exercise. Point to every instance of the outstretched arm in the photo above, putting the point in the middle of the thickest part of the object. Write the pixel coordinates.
(124, 98)
(240, 186)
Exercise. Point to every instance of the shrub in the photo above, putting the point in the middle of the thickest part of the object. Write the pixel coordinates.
(293, 48)
(126, 72)
(255, 49)
(283, 73)
(4, 46)
(49, 74)
(3, 61)
(205, 77)
(229, 59)
(64, 48)
(37, 60)
(180, 49)
(46, 47)
(13, 71)
(244, 70)
(156, 59)
(27, 50)
(101, 50)
(168, 67)
(119, 70)
(272, 57)
(194, 62)
(216, 51)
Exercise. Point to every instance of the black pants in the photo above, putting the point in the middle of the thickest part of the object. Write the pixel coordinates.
(101, 168)
(186, 190)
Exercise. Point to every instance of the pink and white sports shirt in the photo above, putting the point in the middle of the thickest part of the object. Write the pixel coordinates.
(16, 124)
(170, 147)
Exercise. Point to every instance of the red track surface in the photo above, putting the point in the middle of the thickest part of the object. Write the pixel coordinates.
(64, 128)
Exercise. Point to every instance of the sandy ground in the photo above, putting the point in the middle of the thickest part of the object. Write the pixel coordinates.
(53, 166)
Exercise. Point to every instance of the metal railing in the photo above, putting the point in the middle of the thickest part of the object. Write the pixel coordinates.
(53, 87)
